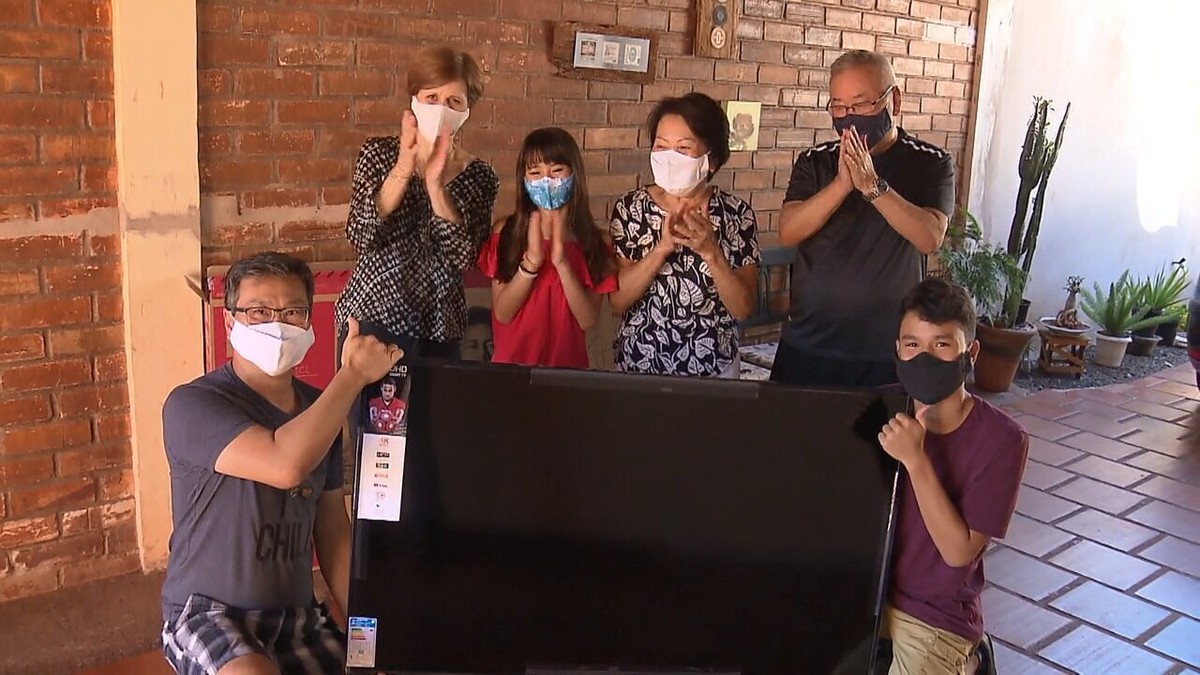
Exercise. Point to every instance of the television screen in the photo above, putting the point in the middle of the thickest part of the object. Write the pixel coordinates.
(538, 519)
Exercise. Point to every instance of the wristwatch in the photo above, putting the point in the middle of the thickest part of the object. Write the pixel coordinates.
(880, 188)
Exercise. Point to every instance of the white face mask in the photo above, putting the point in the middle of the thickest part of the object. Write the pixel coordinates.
(433, 118)
(275, 347)
(676, 172)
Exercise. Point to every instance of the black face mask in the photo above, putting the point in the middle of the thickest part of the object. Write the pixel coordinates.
(874, 127)
(929, 379)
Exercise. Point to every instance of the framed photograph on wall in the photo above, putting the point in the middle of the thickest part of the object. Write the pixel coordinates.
(611, 53)
(744, 119)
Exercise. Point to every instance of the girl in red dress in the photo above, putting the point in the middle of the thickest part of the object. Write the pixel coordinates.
(550, 265)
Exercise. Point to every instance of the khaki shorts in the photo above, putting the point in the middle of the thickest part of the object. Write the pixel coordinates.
(921, 649)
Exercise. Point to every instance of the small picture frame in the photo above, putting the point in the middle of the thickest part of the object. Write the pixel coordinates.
(744, 120)
(611, 53)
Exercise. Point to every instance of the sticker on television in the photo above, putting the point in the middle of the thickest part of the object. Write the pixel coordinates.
(379, 490)
(360, 643)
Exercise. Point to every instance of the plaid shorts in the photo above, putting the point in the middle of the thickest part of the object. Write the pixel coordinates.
(209, 634)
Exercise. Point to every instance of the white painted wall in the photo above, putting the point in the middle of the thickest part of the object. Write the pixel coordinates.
(1125, 193)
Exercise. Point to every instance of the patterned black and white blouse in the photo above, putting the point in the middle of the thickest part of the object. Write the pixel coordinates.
(680, 326)
(409, 274)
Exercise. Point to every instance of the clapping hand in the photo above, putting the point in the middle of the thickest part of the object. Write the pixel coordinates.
(857, 157)
(695, 230)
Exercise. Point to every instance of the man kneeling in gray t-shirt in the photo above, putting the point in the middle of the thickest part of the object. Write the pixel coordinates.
(256, 481)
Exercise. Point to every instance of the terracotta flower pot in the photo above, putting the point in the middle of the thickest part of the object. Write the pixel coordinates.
(1110, 351)
(1000, 353)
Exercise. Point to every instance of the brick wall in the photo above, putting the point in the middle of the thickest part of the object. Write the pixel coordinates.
(289, 92)
(66, 506)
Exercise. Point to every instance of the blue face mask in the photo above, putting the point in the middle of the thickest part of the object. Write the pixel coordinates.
(549, 193)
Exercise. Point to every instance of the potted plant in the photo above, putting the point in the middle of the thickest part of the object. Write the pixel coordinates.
(1161, 292)
(1038, 156)
(986, 271)
(1116, 315)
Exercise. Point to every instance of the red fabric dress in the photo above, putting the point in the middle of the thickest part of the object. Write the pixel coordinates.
(544, 332)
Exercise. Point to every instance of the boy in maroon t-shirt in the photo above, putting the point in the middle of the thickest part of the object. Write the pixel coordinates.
(963, 459)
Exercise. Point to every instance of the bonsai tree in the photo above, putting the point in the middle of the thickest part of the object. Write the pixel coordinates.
(985, 271)
(1038, 155)
(1116, 312)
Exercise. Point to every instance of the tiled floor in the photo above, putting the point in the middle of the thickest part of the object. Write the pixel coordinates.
(1100, 572)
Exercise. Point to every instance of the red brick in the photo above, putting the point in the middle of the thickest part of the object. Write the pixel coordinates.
(299, 171)
(78, 521)
(21, 347)
(497, 32)
(21, 471)
(523, 9)
(46, 375)
(78, 148)
(89, 340)
(16, 78)
(765, 52)
(116, 485)
(910, 28)
(97, 46)
(360, 23)
(690, 69)
(19, 585)
(41, 113)
(121, 539)
(11, 211)
(92, 398)
(519, 60)
(213, 82)
(64, 551)
(275, 197)
(18, 282)
(50, 436)
(38, 180)
(637, 17)
(17, 12)
(315, 53)
(273, 82)
(447, 8)
(599, 138)
(314, 112)
(764, 9)
(356, 83)
(87, 571)
(78, 79)
(954, 53)
(101, 114)
(75, 491)
(575, 112)
(43, 312)
(93, 458)
(107, 245)
(750, 29)
(90, 277)
(215, 50)
(277, 142)
(233, 174)
(588, 12)
(622, 91)
(75, 13)
(17, 533)
(335, 250)
(333, 196)
(238, 112)
(383, 54)
(277, 21)
(311, 230)
(24, 43)
(214, 18)
(214, 144)
(110, 367)
(62, 208)
(386, 111)
(763, 94)
(243, 233)
(18, 149)
(109, 307)
(773, 74)
(112, 427)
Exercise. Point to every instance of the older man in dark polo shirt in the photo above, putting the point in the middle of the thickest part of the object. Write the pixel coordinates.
(865, 210)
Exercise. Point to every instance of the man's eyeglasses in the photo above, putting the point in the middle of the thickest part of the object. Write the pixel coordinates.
(861, 108)
(296, 316)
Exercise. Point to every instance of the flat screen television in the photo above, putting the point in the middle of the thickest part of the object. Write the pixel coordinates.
(555, 520)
